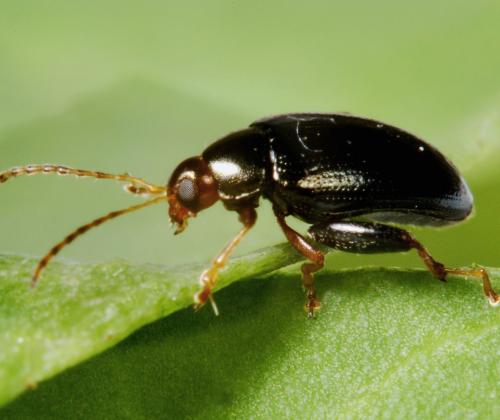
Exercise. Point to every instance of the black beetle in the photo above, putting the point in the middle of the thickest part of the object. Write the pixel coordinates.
(342, 174)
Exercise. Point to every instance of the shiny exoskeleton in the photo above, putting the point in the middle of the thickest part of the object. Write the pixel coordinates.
(346, 176)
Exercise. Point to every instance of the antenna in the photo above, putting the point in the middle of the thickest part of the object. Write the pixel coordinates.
(83, 229)
(134, 185)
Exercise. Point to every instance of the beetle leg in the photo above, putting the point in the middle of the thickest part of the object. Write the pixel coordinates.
(440, 271)
(317, 262)
(363, 237)
(208, 278)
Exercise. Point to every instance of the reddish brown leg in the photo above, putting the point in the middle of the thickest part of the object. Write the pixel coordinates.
(208, 278)
(317, 262)
(81, 230)
(440, 271)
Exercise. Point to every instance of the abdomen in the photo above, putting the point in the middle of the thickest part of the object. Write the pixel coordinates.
(334, 166)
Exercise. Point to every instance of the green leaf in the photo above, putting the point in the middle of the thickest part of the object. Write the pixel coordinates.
(392, 343)
(79, 310)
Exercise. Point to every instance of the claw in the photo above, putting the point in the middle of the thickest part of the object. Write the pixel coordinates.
(494, 300)
(198, 304)
(201, 298)
(214, 305)
(311, 307)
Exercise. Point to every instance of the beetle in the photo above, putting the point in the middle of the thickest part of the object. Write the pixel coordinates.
(353, 179)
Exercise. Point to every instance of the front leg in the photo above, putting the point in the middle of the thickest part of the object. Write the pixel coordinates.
(208, 278)
(315, 256)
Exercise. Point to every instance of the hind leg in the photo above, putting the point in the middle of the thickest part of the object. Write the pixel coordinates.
(440, 271)
(362, 237)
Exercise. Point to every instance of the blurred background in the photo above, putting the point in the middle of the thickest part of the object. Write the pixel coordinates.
(138, 86)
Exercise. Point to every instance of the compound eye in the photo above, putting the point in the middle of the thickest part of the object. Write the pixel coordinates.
(187, 192)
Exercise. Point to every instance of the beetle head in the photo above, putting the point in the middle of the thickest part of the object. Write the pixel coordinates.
(191, 188)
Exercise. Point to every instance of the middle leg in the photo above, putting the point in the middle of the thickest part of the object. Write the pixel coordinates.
(316, 258)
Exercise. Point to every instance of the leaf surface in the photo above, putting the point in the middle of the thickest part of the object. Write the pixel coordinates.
(387, 342)
(77, 311)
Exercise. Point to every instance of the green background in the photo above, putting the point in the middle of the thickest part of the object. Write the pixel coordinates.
(120, 86)
(139, 86)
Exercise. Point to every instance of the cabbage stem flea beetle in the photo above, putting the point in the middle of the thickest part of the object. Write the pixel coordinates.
(344, 175)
